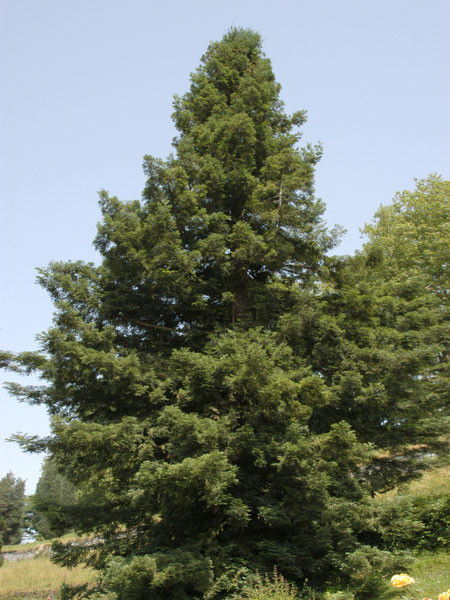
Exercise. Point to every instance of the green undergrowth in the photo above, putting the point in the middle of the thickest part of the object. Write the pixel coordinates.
(432, 573)
(37, 578)
(415, 517)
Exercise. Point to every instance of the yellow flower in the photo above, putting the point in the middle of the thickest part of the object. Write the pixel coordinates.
(403, 579)
(444, 595)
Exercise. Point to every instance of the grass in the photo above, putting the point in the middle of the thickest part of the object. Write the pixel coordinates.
(32, 545)
(37, 578)
(432, 483)
(432, 574)
(429, 569)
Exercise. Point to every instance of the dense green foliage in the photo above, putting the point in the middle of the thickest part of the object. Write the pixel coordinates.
(413, 233)
(51, 503)
(225, 398)
(416, 515)
(415, 522)
(410, 239)
(12, 499)
(267, 588)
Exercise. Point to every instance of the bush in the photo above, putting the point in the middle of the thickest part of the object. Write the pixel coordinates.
(419, 522)
(266, 588)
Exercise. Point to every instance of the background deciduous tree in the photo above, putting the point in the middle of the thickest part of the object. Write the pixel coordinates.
(413, 233)
(409, 242)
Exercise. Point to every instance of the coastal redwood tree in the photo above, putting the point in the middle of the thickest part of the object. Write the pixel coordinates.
(218, 407)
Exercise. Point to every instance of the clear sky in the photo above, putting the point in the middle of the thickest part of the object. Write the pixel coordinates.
(87, 90)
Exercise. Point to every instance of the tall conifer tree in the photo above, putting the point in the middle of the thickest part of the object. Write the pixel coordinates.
(51, 503)
(194, 375)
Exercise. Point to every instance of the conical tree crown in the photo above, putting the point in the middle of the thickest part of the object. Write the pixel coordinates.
(214, 415)
(231, 212)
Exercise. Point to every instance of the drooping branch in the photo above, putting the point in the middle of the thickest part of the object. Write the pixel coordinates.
(153, 326)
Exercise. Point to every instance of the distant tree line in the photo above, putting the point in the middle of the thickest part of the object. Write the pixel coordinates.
(45, 514)
(12, 509)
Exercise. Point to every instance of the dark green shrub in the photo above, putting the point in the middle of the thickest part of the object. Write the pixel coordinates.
(414, 522)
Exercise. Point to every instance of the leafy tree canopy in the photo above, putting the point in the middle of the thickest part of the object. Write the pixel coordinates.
(413, 233)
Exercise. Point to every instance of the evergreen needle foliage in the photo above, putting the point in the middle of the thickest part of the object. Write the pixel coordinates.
(224, 397)
(12, 509)
(51, 503)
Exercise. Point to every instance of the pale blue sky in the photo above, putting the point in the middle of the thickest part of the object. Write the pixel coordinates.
(87, 90)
